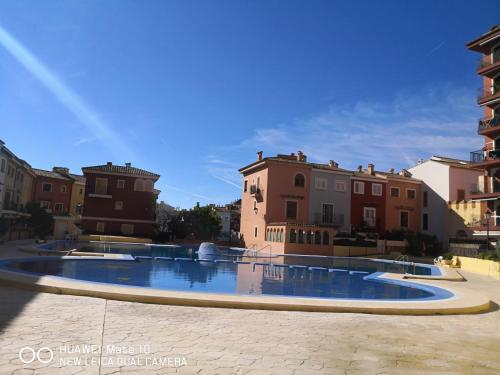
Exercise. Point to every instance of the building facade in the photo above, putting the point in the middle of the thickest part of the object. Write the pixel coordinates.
(119, 200)
(368, 201)
(445, 181)
(488, 158)
(52, 190)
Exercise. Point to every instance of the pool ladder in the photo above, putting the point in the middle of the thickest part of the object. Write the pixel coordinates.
(407, 263)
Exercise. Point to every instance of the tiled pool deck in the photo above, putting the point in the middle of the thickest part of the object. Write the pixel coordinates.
(228, 341)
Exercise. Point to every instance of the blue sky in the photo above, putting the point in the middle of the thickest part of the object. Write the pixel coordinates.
(192, 89)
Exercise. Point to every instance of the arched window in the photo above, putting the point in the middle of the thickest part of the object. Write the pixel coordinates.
(149, 185)
(301, 236)
(281, 235)
(317, 237)
(300, 180)
(273, 237)
(293, 236)
(139, 185)
(309, 236)
(326, 238)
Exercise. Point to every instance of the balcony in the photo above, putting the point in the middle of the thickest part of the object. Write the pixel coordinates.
(488, 68)
(487, 126)
(482, 158)
(256, 191)
(487, 96)
(336, 221)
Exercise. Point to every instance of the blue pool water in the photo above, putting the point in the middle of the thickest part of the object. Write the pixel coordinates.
(231, 277)
(234, 254)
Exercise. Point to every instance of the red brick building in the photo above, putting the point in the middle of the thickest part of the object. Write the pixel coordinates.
(52, 190)
(119, 200)
(368, 201)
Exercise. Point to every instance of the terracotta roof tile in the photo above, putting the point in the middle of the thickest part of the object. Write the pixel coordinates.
(122, 169)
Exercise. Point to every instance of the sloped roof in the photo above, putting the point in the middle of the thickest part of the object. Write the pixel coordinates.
(77, 177)
(50, 174)
(120, 169)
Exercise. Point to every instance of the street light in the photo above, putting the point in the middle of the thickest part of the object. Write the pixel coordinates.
(487, 217)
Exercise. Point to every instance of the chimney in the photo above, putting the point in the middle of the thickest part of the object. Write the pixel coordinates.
(360, 168)
(128, 164)
(371, 169)
(259, 155)
(391, 171)
(61, 170)
(333, 164)
(301, 156)
(109, 163)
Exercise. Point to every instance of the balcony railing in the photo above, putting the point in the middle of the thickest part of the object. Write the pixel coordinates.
(481, 155)
(485, 93)
(336, 221)
(490, 123)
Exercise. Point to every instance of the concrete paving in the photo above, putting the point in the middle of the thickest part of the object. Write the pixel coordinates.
(135, 338)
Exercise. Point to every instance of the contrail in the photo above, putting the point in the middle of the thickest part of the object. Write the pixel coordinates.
(66, 96)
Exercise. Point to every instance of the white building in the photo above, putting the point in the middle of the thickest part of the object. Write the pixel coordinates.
(445, 180)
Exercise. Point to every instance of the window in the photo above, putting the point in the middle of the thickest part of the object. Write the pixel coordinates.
(340, 186)
(404, 219)
(411, 193)
(100, 227)
(46, 187)
(424, 203)
(127, 228)
(255, 205)
(81, 192)
(255, 232)
(370, 216)
(63, 188)
(327, 217)
(300, 180)
(245, 186)
(59, 207)
(317, 237)
(120, 184)
(377, 189)
(460, 194)
(473, 204)
(2, 167)
(101, 186)
(139, 185)
(309, 236)
(425, 222)
(359, 187)
(320, 183)
(293, 236)
(326, 238)
(149, 185)
(395, 192)
(45, 204)
(495, 56)
(301, 236)
(291, 210)
(118, 205)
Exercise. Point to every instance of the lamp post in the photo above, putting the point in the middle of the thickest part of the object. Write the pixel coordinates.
(487, 217)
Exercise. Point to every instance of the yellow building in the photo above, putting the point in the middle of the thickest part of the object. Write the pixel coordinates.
(464, 216)
(77, 195)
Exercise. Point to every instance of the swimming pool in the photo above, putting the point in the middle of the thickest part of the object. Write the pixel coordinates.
(238, 254)
(232, 277)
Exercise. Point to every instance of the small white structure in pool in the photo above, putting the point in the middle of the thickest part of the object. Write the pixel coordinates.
(208, 250)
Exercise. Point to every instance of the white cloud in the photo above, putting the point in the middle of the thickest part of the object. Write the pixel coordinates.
(440, 121)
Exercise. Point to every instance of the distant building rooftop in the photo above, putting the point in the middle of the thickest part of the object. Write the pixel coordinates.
(120, 169)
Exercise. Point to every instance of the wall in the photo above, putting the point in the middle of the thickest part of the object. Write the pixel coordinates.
(462, 215)
(138, 206)
(394, 205)
(436, 183)
(360, 201)
(340, 200)
(466, 179)
(77, 197)
(251, 218)
(480, 266)
(55, 195)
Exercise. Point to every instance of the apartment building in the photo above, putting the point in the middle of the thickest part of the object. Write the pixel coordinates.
(119, 200)
(488, 158)
(446, 181)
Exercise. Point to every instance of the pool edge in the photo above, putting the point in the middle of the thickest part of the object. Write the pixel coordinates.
(463, 302)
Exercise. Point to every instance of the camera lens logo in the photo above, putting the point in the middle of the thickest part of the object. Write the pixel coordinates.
(42, 355)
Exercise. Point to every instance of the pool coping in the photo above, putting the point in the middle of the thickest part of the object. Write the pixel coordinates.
(462, 301)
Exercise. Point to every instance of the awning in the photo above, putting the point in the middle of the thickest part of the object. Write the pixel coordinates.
(485, 199)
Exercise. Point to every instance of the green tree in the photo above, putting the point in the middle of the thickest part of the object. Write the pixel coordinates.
(200, 222)
(41, 223)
